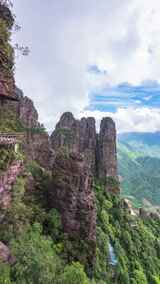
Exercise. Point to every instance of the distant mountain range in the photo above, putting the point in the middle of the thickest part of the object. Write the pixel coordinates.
(139, 167)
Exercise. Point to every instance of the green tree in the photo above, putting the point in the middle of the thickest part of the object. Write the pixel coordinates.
(139, 277)
(37, 263)
(74, 274)
(5, 274)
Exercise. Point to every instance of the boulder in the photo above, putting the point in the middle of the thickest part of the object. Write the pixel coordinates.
(5, 254)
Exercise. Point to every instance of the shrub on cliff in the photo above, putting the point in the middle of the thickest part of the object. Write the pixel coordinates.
(74, 274)
(36, 260)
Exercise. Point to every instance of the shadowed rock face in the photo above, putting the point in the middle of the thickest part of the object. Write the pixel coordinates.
(27, 112)
(7, 181)
(79, 136)
(107, 156)
(37, 144)
(80, 155)
(71, 193)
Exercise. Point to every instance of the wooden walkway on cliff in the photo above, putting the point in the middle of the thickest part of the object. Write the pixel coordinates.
(11, 138)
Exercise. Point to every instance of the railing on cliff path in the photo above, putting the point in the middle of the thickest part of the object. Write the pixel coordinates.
(11, 138)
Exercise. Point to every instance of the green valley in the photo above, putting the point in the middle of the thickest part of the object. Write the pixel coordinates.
(139, 167)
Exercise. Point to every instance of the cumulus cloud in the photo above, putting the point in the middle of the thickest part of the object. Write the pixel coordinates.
(130, 119)
(67, 36)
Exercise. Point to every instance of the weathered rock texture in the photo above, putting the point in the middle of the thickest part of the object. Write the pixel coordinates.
(5, 254)
(107, 155)
(37, 144)
(26, 110)
(72, 194)
(80, 155)
(79, 136)
(7, 181)
(38, 148)
(149, 214)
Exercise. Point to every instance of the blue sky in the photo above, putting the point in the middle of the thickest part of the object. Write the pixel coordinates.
(124, 95)
(94, 58)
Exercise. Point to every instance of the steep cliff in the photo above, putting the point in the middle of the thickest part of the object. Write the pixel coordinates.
(72, 194)
(36, 144)
(81, 155)
(7, 83)
(79, 136)
(107, 153)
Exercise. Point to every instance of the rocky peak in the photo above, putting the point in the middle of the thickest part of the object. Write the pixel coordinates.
(37, 143)
(26, 110)
(98, 150)
(67, 120)
(107, 152)
(77, 136)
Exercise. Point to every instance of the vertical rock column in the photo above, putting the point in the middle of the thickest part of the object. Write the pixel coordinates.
(71, 192)
(78, 136)
(107, 153)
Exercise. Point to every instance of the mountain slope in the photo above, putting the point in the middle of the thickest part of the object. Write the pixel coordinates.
(139, 166)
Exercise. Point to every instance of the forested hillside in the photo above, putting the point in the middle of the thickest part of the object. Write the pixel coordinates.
(62, 218)
(139, 166)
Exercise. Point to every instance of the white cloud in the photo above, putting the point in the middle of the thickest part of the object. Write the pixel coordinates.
(65, 36)
(130, 119)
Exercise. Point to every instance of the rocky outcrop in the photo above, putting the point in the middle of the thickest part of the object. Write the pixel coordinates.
(72, 194)
(107, 153)
(26, 110)
(127, 205)
(5, 254)
(149, 214)
(79, 136)
(38, 148)
(7, 181)
(37, 144)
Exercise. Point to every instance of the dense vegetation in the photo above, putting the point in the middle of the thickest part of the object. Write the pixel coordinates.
(44, 254)
(36, 238)
(10, 122)
(139, 165)
(7, 156)
(136, 244)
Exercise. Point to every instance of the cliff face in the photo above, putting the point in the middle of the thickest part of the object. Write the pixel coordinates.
(74, 154)
(7, 181)
(7, 83)
(80, 155)
(79, 136)
(37, 144)
(72, 194)
(26, 111)
(107, 153)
